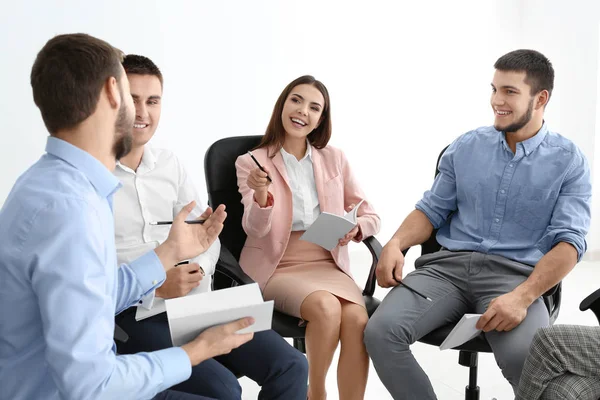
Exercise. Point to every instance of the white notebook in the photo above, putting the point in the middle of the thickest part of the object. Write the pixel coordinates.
(190, 315)
(463, 332)
(328, 229)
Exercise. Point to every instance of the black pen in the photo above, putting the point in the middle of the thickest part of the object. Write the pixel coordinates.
(415, 291)
(260, 166)
(193, 222)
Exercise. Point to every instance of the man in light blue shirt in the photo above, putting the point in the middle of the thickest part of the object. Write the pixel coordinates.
(511, 204)
(60, 285)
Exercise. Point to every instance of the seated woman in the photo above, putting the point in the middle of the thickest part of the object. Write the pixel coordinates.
(304, 177)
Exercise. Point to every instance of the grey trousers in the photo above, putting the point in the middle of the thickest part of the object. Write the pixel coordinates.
(458, 283)
(563, 363)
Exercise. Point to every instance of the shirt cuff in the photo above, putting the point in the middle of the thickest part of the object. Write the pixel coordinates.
(176, 366)
(147, 301)
(149, 272)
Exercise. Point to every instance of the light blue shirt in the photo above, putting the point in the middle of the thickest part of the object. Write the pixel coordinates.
(517, 205)
(60, 288)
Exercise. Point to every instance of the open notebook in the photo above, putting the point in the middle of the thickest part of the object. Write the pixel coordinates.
(329, 228)
(190, 315)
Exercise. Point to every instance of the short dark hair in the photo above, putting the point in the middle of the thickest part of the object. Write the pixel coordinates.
(141, 65)
(275, 134)
(539, 74)
(68, 75)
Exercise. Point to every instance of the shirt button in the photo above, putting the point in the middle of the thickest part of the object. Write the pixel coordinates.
(503, 191)
(510, 165)
(497, 220)
(154, 282)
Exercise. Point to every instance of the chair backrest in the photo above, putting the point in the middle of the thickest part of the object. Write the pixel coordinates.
(431, 245)
(221, 183)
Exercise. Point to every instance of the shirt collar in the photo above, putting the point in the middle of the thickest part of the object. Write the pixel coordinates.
(99, 176)
(532, 143)
(308, 154)
(148, 161)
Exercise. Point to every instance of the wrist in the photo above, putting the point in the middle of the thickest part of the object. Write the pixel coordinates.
(194, 350)
(526, 297)
(167, 254)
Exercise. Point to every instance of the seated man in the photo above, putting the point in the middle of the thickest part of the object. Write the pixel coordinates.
(563, 363)
(60, 285)
(155, 187)
(512, 205)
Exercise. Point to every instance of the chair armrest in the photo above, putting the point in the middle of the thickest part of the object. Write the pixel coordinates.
(375, 249)
(592, 302)
(552, 299)
(229, 266)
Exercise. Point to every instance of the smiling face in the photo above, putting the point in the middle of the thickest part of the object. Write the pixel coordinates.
(511, 101)
(302, 111)
(146, 91)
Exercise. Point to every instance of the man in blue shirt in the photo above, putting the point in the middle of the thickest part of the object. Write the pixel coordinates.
(60, 285)
(512, 207)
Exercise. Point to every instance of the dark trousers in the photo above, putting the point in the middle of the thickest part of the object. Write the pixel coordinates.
(280, 370)
(174, 395)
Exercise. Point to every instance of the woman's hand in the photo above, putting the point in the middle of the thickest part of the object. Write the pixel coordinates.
(257, 181)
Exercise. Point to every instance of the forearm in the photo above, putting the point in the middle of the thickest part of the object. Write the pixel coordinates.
(415, 230)
(548, 272)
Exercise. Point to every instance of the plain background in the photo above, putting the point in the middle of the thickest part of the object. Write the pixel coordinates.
(405, 78)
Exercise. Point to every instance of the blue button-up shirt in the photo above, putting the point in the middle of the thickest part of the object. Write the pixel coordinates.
(517, 205)
(60, 287)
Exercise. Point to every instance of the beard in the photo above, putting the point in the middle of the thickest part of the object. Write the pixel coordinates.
(520, 123)
(123, 131)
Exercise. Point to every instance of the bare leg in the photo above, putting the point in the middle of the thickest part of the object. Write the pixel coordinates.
(353, 366)
(323, 312)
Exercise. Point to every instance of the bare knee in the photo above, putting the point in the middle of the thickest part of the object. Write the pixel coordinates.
(323, 307)
(354, 317)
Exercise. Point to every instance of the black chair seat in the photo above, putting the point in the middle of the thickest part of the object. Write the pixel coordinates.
(437, 337)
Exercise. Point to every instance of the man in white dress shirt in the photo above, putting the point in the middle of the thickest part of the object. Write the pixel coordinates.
(156, 187)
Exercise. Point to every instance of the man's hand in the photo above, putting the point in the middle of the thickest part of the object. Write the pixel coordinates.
(186, 241)
(180, 281)
(389, 267)
(504, 313)
(218, 340)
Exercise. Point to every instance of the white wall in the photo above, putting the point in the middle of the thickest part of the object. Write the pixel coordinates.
(404, 80)
(405, 77)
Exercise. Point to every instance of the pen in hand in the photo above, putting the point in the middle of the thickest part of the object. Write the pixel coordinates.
(415, 291)
(192, 222)
(259, 166)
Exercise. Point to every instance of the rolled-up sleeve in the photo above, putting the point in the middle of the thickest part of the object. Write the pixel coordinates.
(571, 216)
(439, 202)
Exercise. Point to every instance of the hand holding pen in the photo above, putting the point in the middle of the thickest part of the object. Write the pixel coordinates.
(259, 181)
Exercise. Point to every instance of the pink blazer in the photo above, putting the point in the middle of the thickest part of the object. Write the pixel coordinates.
(269, 228)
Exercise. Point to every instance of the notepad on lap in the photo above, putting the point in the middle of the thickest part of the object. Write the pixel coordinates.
(329, 228)
(190, 315)
(463, 332)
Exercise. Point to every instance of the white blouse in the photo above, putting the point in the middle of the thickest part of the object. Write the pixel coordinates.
(305, 199)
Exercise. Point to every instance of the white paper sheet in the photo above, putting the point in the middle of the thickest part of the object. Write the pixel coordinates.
(328, 229)
(158, 306)
(189, 316)
(463, 332)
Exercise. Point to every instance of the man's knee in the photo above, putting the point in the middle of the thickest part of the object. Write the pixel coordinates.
(382, 333)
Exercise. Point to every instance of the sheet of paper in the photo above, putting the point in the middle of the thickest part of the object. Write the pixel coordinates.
(463, 332)
(189, 316)
(158, 306)
(328, 229)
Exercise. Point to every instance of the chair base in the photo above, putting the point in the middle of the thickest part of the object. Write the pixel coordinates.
(469, 359)
(300, 345)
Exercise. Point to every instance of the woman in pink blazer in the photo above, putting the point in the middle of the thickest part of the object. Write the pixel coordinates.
(303, 178)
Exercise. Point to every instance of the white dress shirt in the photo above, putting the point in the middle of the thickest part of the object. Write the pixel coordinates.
(305, 199)
(157, 191)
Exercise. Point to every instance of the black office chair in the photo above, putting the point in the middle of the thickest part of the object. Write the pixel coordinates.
(221, 183)
(468, 352)
(592, 302)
